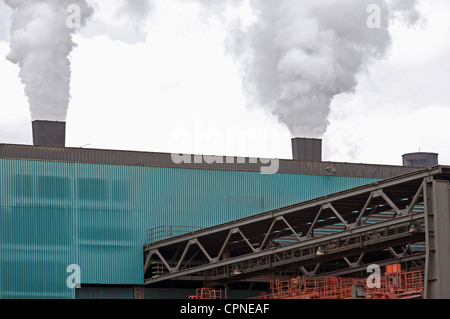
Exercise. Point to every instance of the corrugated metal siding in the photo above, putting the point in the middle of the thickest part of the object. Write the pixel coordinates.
(53, 214)
(104, 292)
(168, 293)
(36, 240)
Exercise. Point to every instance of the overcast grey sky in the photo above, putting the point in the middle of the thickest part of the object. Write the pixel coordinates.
(228, 78)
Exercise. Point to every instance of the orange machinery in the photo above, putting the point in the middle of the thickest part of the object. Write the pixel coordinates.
(207, 293)
(394, 284)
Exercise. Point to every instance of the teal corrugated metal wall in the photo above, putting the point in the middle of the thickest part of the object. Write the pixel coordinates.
(104, 292)
(53, 214)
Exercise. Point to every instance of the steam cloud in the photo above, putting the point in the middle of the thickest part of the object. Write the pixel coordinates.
(300, 54)
(5, 14)
(41, 42)
(121, 20)
(294, 59)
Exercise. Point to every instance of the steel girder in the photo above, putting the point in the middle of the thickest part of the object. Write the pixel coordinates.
(437, 224)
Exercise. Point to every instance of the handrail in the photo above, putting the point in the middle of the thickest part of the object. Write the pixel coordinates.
(397, 285)
(168, 231)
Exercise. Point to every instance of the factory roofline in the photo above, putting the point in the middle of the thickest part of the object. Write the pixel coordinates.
(157, 159)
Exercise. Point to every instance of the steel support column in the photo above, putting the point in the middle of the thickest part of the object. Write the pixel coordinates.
(437, 229)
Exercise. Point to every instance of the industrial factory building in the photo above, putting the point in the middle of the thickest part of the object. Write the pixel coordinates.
(123, 224)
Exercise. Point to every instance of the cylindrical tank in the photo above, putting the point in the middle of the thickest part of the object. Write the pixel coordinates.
(420, 159)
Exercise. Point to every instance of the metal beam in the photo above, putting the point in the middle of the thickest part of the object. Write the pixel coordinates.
(338, 215)
(314, 222)
(156, 252)
(389, 201)
(267, 235)
(246, 240)
(354, 264)
(203, 250)
(437, 225)
(186, 249)
(363, 210)
(222, 249)
(147, 261)
(415, 199)
(381, 263)
(361, 239)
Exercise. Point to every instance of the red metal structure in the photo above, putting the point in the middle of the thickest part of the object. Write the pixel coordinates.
(207, 293)
(399, 285)
(395, 284)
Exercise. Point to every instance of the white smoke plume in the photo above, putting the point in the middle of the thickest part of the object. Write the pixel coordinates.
(41, 43)
(120, 20)
(301, 54)
(294, 59)
(5, 15)
(406, 11)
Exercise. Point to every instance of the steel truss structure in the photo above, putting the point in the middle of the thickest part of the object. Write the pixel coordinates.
(402, 219)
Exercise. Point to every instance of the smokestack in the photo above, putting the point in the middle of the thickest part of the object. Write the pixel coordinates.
(307, 149)
(49, 133)
(420, 159)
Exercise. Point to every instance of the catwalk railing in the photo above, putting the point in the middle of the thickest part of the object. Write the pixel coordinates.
(207, 293)
(168, 231)
(400, 285)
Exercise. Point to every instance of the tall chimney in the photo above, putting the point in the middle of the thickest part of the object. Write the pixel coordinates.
(49, 133)
(306, 149)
